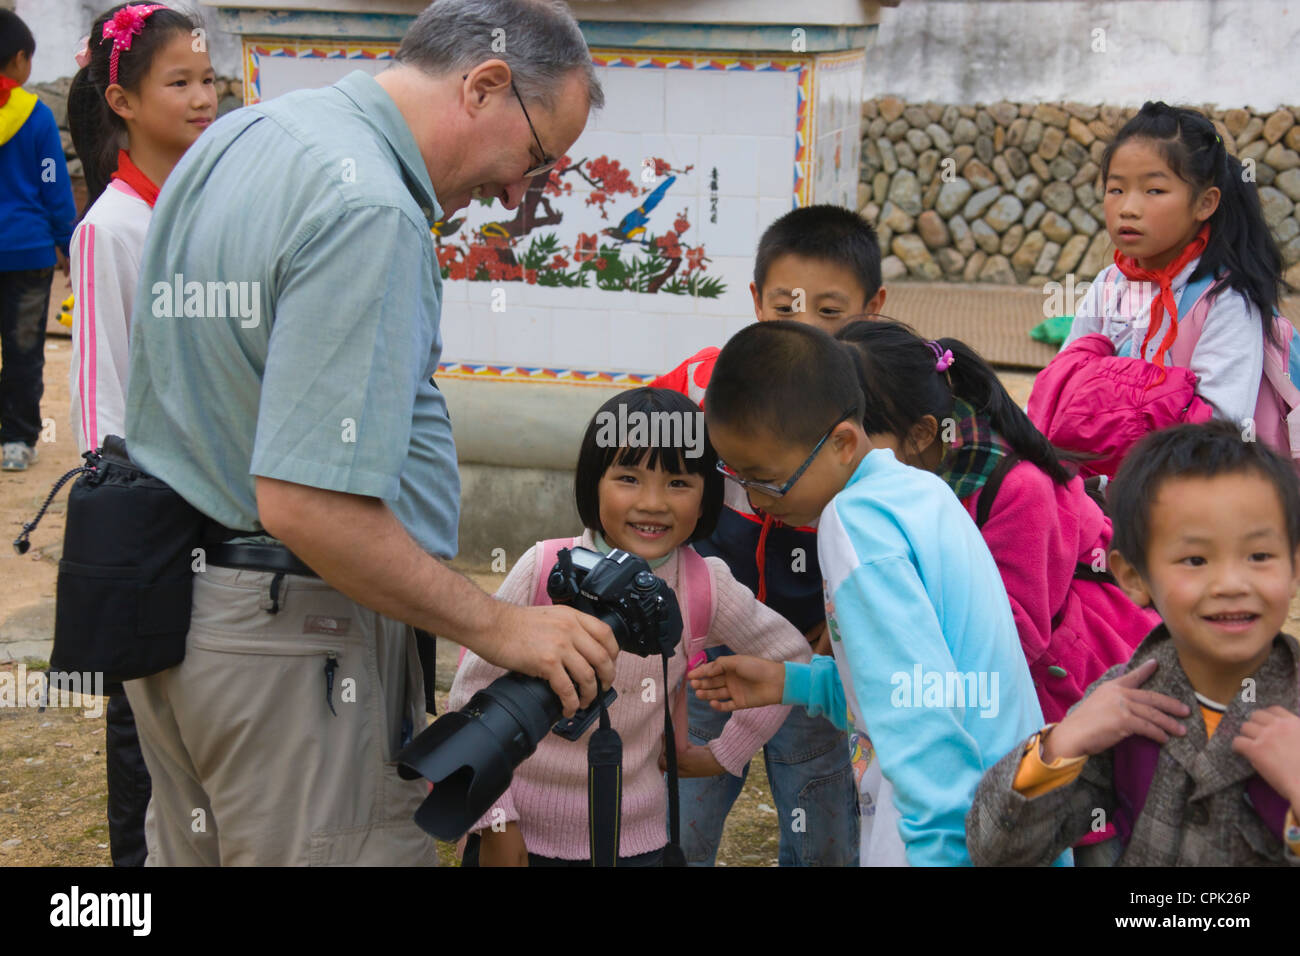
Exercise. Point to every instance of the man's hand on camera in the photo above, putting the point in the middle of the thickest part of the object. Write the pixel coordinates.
(562, 646)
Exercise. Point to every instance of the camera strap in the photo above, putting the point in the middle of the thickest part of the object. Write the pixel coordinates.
(673, 855)
(604, 790)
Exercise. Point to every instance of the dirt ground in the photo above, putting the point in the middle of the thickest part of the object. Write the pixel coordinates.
(52, 786)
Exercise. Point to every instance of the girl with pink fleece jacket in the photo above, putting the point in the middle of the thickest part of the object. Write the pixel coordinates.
(635, 494)
(940, 407)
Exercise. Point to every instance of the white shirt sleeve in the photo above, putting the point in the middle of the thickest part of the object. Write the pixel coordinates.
(1229, 357)
(104, 272)
(1087, 315)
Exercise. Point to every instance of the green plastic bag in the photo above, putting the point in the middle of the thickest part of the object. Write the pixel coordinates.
(1053, 331)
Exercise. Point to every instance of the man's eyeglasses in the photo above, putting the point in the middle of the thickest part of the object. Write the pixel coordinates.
(774, 491)
(547, 163)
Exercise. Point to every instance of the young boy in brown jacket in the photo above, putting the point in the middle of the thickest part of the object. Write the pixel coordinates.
(1192, 748)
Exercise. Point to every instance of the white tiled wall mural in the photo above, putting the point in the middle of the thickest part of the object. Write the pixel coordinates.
(638, 249)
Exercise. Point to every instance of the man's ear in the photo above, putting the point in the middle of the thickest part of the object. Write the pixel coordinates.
(877, 302)
(484, 80)
(758, 300)
(1129, 580)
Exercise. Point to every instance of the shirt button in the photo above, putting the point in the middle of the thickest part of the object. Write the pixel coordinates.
(1058, 671)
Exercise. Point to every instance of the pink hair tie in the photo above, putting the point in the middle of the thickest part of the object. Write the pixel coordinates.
(944, 357)
(126, 24)
(82, 56)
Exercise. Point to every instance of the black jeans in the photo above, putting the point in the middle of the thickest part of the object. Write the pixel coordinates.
(129, 786)
(24, 310)
(653, 858)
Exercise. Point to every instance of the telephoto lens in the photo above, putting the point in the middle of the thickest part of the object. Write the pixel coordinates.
(469, 756)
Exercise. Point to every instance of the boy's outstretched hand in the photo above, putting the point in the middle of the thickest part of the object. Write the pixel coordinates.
(738, 682)
(1270, 740)
(1115, 710)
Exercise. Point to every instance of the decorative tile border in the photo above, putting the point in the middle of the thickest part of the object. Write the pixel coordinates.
(262, 47)
(521, 373)
(256, 50)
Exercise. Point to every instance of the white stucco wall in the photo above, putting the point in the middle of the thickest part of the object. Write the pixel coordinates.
(1230, 52)
(59, 24)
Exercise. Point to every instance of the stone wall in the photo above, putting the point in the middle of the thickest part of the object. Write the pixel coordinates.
(1010, 193)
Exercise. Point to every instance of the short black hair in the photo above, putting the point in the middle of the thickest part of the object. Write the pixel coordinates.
(596, 456)
(1191, 451)
(831, 233)
(15, 37)
(784, 378)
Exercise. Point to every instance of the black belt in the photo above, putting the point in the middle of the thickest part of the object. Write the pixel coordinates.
(258, 557)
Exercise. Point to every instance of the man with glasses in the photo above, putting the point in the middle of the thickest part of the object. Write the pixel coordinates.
(315, 434)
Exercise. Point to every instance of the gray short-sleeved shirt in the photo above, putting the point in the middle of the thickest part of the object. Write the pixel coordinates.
(287, 319)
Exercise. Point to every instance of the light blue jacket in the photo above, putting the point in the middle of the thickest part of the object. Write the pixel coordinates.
(929, 660)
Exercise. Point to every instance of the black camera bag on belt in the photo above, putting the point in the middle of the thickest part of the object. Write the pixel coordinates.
(126, 576)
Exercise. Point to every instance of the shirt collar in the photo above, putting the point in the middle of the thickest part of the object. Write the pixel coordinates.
(373, 100)
(878, 459)
(603, 547)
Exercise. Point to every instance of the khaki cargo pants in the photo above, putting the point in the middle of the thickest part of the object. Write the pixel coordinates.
(250, 765)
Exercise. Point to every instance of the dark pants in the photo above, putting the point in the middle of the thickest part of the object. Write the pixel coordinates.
(653, 858)
(24, 310)
(128, 784)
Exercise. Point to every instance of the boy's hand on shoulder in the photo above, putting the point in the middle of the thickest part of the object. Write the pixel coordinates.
(1115, 710)
(502, 847)
(1270, 740)
(738, 682)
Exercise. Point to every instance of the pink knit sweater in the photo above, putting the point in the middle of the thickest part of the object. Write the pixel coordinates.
(548, 795)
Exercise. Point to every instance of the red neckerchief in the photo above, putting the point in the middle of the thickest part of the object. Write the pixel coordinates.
(130, 174)
(6, 85)
(1164, 302)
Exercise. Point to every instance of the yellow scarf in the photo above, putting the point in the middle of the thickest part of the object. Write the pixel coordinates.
(14, 113)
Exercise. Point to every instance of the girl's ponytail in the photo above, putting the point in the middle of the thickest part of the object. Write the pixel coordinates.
(97, 132)
(974, 380)
(1240, 240)
(901, 385)
(95, 135)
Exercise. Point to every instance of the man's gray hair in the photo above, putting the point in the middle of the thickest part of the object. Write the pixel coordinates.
(538, 39)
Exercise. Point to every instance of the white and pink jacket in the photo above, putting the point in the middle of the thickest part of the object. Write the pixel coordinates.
(105, 266)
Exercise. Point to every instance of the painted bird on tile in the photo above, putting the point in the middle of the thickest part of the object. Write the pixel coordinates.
(632, 226)
(446, 227)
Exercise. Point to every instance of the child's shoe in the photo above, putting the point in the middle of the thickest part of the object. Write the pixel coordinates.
(18, 455)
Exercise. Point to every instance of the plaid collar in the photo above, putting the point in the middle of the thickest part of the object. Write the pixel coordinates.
(974, 452)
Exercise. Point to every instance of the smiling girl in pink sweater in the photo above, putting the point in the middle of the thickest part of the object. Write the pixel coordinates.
(649, 501)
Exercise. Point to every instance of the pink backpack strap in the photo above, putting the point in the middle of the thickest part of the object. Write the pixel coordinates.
(546, 554)
(698, 585)
(696, 593)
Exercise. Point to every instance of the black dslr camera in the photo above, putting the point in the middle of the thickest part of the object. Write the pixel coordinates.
(471, 754)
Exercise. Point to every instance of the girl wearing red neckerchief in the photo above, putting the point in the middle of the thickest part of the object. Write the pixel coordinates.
(143, 95)
(1178, 208)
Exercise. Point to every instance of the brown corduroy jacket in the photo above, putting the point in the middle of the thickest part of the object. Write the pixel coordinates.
(1196, 811)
